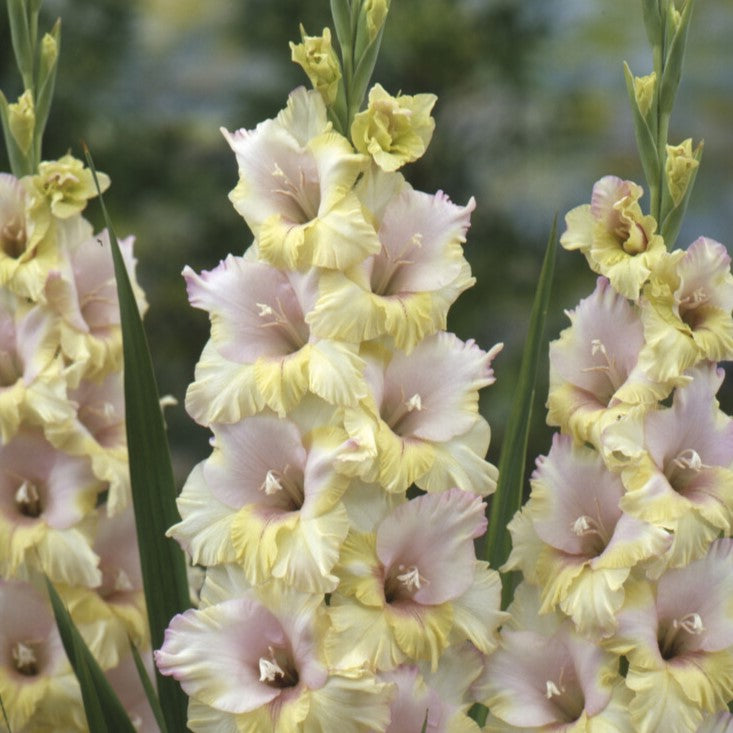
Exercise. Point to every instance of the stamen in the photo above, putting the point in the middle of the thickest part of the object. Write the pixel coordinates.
(584, 525)
(279, 319)
(551, 690)
(411, 579)
(695, 298)
(271, 485)
(270, 669)
(610, 368)
(689, 458)
(404, 408)
(28, 500)
(122, 581)
(597, 347)
(297, 193)
(414, 403)
(265, 310)
(692, 624)
(25, 659)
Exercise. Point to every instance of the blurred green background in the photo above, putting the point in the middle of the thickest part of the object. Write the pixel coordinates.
(531, 111)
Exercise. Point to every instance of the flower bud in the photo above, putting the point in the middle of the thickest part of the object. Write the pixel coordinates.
(67, 185)
(680, 168)
(376, 12)
(49, 52)
(644, 89)
(394, 130)
(22, 121)
(319, 61)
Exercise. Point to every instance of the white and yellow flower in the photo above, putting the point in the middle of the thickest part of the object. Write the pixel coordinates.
(253, 661)
(686, 311)
(420, 423)
(261, 351)
(413, 587)
(268, 498)
(394, 130)
(47, 500)
(678, 637)
(295, 190)
(617, 239)
(406, 289)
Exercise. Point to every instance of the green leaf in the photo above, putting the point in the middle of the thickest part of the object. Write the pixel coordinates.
(644, 137)
(652, 20)
(5, 715)
(673, 62)
(21, 39)
(363, 74)
(103, 709)
(149, 689)
(341, 14)
(508, 497)
(151, 476)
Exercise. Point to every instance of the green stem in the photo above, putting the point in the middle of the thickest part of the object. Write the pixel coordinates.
(661, 122)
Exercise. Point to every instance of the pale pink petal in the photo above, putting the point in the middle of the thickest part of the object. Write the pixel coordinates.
(705, 277)
(579, 492)
(412, 703)
(250, 451)
(434, 534)
(599, 352)
(119, 559)
(705, 588)
(254, 309)
(215, 654)
(432, 394)
(416, 232)
(64, 484)
(27, 619)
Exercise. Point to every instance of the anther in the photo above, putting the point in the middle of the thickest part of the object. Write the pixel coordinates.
(551, 690)
(269, 668)
(25, 659)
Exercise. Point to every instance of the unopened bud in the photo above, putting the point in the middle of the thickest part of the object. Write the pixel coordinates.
(49, 52)
(22, 121)
(376, 12)
(319, 61)
(680, 168)
(644, 89)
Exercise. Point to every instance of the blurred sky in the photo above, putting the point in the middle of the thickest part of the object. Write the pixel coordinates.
(532, 110)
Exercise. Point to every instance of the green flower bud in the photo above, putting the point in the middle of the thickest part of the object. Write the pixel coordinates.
(680, 167)
(644, 89)
(22, 121)
(49, 52)
(319, 61)
(67, 185)
(376, 12)
(394, 130)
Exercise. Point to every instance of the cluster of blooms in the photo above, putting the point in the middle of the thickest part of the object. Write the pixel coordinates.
(625, 542)
(337, 513)
(64, 487)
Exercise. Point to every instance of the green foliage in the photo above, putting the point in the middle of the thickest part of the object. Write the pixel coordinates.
(105, 713)
(151, 477)
(508, 497)
(150, 693)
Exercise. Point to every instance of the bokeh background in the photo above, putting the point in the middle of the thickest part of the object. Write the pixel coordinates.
(532, 110)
